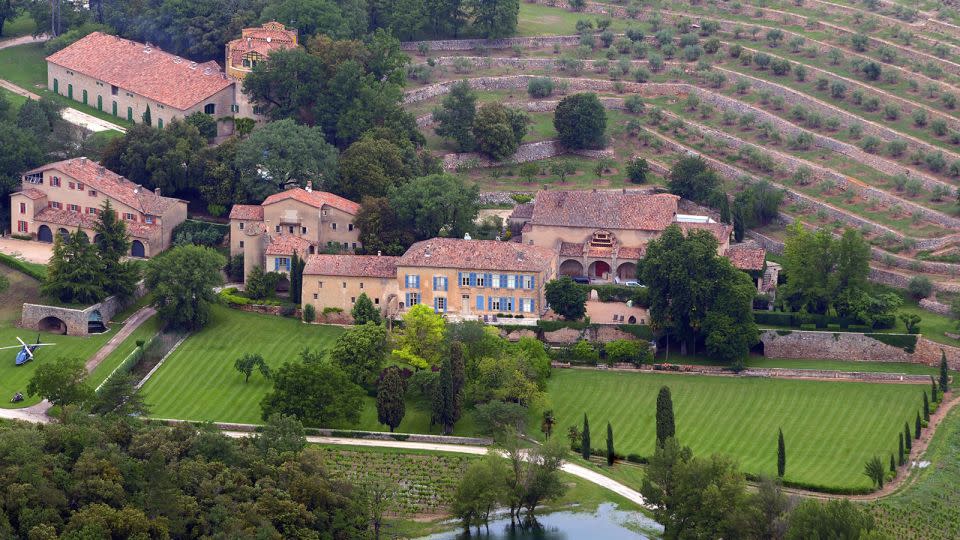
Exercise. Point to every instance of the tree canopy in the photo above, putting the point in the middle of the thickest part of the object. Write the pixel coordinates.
(181, 280)
(581, 121)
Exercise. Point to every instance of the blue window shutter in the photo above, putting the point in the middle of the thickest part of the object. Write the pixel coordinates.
(503, 281)
(407, 303)
(489, 280)
(513, 305)
(489, 303)
(533, 304)
(480, 303)
(446, 283)
(435, 299)
(406, 280)
(473, 279)
(445, 307)
(459, 278)
(416, 278)
(276, 264)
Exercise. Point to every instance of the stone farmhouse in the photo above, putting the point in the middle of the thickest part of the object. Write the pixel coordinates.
(602, 234)
(465, 279)
(60, 197)
(125, 78)
(253, 47)
(296, 220)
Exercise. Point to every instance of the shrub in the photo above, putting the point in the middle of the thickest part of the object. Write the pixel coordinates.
(634, 104)
(201, 233)
(309, 313)
(920, 287)
(540, 87)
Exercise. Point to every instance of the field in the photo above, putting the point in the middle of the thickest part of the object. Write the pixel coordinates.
(928, 507)
(831, 428)
(145, 331)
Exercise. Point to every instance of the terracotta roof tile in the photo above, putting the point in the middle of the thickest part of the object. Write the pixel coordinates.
(635, 253)
(149, 72)
(270, 37)
(247, 211)
(605, 210)
(352, 266)
(111, 184)
(720, 231)
(76, 219)
(746, 256)
(316, 199)
(32, 193)
(522, 211)
(571, 249)
(478, 255)
(286, 244)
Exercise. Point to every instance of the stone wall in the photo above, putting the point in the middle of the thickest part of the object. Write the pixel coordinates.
(934, 307)
(505, 43)
(527, 152)
(852, 347)
(76, 319)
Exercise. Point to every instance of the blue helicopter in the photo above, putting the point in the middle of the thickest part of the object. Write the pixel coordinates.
(26, 350)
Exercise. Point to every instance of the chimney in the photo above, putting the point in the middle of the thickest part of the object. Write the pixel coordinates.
(83, 161)
(378, 253)
(101, 170)
(157, 191)
(136, 189)
(309, 187)
(466, 236)
(249, 42)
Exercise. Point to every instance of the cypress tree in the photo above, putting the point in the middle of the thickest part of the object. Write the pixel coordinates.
(918, 425)
(893, 464)
(294, 280)
(585, 439)
(444, 399)
(458, 379)
(610, 454)
(907, 440)
(926, 407)
(900, 461)
(665, 423)
(781, 455)
(944, 379)
(391, 406)
(933, 390)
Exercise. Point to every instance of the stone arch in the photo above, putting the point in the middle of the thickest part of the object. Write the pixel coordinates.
(598, 269)
(96, 238)
(283, 284)
(64, 234)
(632, 320)
(627, 271)
(571, 267)
(95, 324)
(54, 325)
(137, 249)
(44, 234)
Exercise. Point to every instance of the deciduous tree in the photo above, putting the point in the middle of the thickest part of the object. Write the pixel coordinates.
(61, 383)
(318, 393)
(360, 352)
(282, 154)
(182, 280)
(364, 311)
(456, 114)
(566, 298)
(581, 121)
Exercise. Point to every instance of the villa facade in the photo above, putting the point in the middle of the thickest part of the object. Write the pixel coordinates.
(60, 197)
(253, 47)
(296, 220)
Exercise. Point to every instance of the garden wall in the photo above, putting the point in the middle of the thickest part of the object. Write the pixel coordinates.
(75, 319)
(853, 347)
(525, 153)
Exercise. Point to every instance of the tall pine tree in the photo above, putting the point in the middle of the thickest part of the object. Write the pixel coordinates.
(113, 244)
(297, 265)
(917, 426)
(391, 406)
(447, 397)
(900, 451)
(610, 453)
(665, 423)
(781, 455)
(926, 407)
(75, 272)
(933, 390)
(585, 439)
(907, 440)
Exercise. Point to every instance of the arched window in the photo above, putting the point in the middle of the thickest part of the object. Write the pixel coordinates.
(209, 108)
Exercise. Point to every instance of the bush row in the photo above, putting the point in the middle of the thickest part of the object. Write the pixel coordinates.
(20, 266)
(809, 321)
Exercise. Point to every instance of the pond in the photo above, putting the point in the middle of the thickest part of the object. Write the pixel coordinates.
(607, 522)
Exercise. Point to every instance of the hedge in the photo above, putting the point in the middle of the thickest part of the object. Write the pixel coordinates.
(552, 326)
(907, 342)
(815, 487)
(203, 233)
(639, 331)
(36, 271)
(128, 363)
(230, 297)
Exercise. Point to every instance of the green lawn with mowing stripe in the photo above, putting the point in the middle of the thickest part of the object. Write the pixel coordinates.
(145, 331)
(831, 428)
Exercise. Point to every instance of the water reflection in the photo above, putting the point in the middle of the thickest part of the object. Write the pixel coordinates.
(607, 523)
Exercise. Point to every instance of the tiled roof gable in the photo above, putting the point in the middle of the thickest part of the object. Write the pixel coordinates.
(605, 209)
(317, 199)
(478, 255)
(352, 266)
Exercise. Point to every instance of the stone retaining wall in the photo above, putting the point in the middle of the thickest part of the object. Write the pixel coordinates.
(525, 153)
(934, 307)
(852, 347)
(865, 376)
(76, 320)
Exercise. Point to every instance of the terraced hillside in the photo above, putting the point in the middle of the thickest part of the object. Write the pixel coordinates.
(852, 108)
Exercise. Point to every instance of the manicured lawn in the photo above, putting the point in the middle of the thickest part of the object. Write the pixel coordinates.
(831, 428)
(145, 331)
(929, 507)
(805, 363)
(539, 20)
(198, 381)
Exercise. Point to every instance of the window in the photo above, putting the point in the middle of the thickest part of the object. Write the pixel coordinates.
(290, 229)
(241, 244)
(36, 178)
(376, 301)
(344, 285)
(241, 225)
(257, 109)
(281, 264)
(319, 284)
(354, 246)
(316, 296)
(413, 281)
(80, 186)
(129, 217)
(333, 226)
(361, 284)
(160, 122)
(303, 230)
(73, 207)
(495, 281)
(55, 181)
(22, 227)
(234, 108)
(56, 204)
(92, 193)
(350, 226)
(353, 299)
(480, 280)
(511, 281)
(148, 219)
(114, 90)
(209, 108)
(440, 283)
(494, 303)
(441, 303)
(91, 210)
(527, 282)
(345, 246)
(23, 208)
(464, 280)
(278, 228)
(246, 62)
(71, 185)
(413, 299)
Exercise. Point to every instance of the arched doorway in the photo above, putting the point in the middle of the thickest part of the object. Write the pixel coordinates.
(137, 249)
(632, 320)
(571, 267)
(44, 234)
(96, 238)
(627, 271)
(95, 324)
(64, 234)
(283, 284)
(600, 269)
(54, 325)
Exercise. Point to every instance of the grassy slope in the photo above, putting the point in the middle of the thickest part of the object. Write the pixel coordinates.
(198, 382)
(831, 428)
(538, 20)
(929, 507)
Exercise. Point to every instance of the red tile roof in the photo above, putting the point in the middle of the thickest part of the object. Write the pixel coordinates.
(746, 256)
(720, 231)
(604, 210)
(478, 255)
(32, 193)
(571, 249)
(286, 244)
(522, 211)
(316, 199)
(67, 218)
(635, 253)
(352, 266)
(272, 36)
(147, 71)
(247, 211)
(110, 184)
